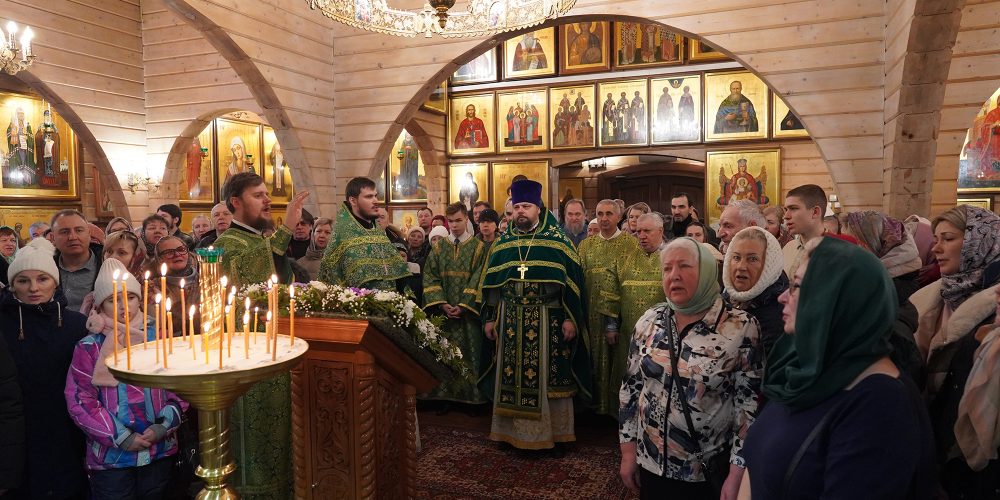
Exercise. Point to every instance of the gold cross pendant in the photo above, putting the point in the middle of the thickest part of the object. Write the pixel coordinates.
(523, 269)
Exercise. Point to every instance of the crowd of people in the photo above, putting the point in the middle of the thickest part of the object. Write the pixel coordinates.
(778, 354)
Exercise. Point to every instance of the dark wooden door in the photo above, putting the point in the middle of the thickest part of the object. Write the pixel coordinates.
(654, 186)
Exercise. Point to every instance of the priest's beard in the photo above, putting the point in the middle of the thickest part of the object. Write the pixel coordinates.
(262, 224)
(574, 228)
(524, 224)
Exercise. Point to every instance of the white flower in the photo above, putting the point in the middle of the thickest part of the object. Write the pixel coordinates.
(319, 285)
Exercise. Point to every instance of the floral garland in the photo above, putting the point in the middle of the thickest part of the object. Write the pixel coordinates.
(317, 298)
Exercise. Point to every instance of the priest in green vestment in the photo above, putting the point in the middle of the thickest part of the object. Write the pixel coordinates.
(360, 254)
(598, 254)
(532, 308)
(634, 284)
(451, 279)
(261, 431)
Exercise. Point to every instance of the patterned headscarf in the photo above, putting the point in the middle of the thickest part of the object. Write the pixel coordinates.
(980, 248)
(708, 279)
(876, 231)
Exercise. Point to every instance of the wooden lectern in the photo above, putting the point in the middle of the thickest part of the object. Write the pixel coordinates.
(354, 409)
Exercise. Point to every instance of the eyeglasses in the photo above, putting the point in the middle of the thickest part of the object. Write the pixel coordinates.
(173, 252)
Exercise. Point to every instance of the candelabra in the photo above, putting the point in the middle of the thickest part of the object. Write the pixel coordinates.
(14, 59)
(136, 182)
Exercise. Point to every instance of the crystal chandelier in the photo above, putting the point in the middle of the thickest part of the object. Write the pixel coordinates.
(482, 18)
(14, 59)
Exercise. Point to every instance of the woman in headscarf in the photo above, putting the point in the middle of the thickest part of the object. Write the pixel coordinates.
(753, 277)
(889, 240)
(41, 334)
(715, 384)
(321, 231)
(840, 422)
(182, 267)
(950, 311)
(118, 224)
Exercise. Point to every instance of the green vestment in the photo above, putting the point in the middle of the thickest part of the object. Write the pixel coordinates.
(451, 276)
(530, 286)
(634, 284)
(261, 431)
(361, 257)
(597, 256)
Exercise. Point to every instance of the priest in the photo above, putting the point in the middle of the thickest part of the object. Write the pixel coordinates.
(532, 308)
(359, 253)
(261, 433)
(598, 254)
(451, 277)
(634, 284)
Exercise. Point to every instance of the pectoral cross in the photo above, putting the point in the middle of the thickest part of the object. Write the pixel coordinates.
(523, 269)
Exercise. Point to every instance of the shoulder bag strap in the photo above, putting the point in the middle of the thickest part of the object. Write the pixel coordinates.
(681, 390)
(794, 464)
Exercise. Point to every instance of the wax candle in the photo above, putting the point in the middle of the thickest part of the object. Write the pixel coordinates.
(256, 314)
(156, 329)
(128, 331)
(274, 346)
(145, 307)
(114, 304)
(226, 328)
(246, 334)
(194, 353)
(267, 332)
(184, 330)
(230, 324)
(168, 320)
(291, 313)
(163, 279)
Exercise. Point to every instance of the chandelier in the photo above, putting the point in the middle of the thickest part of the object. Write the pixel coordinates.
(482, 18)
(14, 59)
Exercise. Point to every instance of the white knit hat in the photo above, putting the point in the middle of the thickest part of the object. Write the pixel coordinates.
(103, 286)
(438, 231)
(38, 255)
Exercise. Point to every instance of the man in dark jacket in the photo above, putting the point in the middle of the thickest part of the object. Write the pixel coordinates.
(680, 210)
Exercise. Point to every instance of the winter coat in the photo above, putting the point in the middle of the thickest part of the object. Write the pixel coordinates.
(41, 339)
(11, 421)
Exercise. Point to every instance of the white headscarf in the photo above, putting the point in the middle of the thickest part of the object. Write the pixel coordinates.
(774, 264)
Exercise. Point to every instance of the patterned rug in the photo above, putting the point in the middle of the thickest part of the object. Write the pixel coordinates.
(461, 463)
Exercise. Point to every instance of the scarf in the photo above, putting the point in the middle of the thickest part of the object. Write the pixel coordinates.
(876, 232)
(774, 266)
(846, 308)
(99, 323)
(708, 281)
(977, 429)
(980, 247)
(313, 252)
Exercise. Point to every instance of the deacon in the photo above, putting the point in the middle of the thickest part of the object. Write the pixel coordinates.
(533, 309)
(635, 284)
(598, 255)
(262, 424)
(451, 278)
(359, 253)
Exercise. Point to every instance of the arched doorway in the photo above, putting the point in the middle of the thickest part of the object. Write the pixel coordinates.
(654, 180)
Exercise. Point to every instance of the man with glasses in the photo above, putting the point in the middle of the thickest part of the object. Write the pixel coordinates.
(76, 258)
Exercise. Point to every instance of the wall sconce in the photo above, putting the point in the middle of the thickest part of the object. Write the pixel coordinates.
(137, 182)
(835, 205)
(595, 163)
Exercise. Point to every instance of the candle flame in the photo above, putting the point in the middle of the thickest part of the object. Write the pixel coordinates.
(274, 279)
(11, 27)
(114, 275)
(231, 299)
(191, 311)
(168, 303)
(163, 269)
(269, 315)
(146, 276)
(247, 302)
(182, 282)
(291, 291)
(256, 309)
(159, 297)
(224, 281)
(246, 318)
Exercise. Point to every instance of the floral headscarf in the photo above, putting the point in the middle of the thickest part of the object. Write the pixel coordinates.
(980, 248)
(876, 231)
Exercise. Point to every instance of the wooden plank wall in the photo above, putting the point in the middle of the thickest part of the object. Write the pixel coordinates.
(974, 76)
(824, 56)
(187, 82)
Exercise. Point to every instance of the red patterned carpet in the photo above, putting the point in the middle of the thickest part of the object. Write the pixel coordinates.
(458, 462)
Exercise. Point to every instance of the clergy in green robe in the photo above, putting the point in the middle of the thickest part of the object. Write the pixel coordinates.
(634, 284)
(261, 431)
(598, 254)
(451, 279)
(533, 309)
(359, 253)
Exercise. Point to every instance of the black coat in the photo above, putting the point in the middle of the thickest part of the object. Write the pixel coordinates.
(905, 353)
(11, 422)
(41, 339)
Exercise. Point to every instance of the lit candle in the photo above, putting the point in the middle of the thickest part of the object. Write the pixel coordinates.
(194, 353)
(225, 329)
(168, 320)
(114, 304)
(291, 313)
(274, 346)
(156, 330)
(11, 30)
(26, 42)
(267, 332)
(184, 330)
(246, 334)
(128, 332)
(145, 307)
(163, 282)
(256, 314)
(230, 324)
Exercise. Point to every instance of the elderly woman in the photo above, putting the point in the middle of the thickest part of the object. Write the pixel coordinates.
(753, 277)
(890, 241)
(951, 311)
(321, 231)
(181, 266)
(840, 421)
(715, 384)
(41, 335)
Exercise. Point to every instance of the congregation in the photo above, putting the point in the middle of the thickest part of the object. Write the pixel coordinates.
(779, 354)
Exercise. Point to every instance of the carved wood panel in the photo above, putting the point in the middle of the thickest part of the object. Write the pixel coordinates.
(332, 457)
(391, 438)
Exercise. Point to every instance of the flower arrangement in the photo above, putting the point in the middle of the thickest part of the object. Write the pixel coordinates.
(320, 299)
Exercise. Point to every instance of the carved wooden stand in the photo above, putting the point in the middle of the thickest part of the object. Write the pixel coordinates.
(354, 412)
